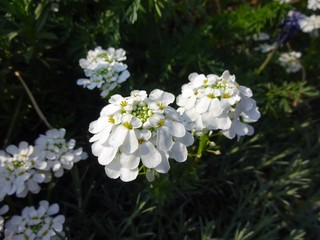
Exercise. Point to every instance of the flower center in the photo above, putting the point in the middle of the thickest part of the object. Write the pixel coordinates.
(104, 56)
(220, 85)
(36, 228)
(142, 111)
(127, 125)
(17, 163)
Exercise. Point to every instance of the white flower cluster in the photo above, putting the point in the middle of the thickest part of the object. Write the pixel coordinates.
(284, 1)
(3, 210)
(139, 127)
(290, 61)
(36, 224)
(310, 24)
(217, 103)
(24, 167)
(104, 69)
(59, 153)
(314, 4)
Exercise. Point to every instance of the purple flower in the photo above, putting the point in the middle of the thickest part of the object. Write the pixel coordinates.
(289, 26)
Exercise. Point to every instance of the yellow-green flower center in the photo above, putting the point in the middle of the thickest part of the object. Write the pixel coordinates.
(36, 228)
(142, 111)
(211, 96)
(161, 123)
(127, 125)
(17, 163)
(104, 56)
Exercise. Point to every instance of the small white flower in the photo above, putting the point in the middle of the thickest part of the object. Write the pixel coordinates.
(36, 223)
(59, 152)
(264, 48)
(216, 103)
(290, 61)
(104, 69)
(309, 24)
(284, 1)
(3, 210)
(261, 36)
(139, 128)
(22, 168)
(314, 4)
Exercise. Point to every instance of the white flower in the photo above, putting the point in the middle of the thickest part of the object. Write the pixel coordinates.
(104, 69)
(99, 55)
(22, 168)
(314, 4)
(217, 103)
(3, 210)
(309, 24)
(261, 36)
(60, 154)
(264, 48)
(139, 128)
(290, 61)
(36, 223)
(284, 1)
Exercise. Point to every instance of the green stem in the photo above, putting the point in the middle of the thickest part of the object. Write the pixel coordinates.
(266, 61)
(202, 144)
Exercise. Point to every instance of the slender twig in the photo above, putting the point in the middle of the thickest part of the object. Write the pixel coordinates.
(13, 120)
(33, 101)
(218, 5)
(303, 70)
(266, 61)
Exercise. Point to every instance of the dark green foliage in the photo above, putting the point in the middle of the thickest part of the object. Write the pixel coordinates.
(262, 187)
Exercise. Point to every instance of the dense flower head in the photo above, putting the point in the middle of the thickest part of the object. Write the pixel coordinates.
(22, 168)
(104, 69)
(36, 224)
(314, 4)
(284, 1)
(59, 153)
(217, 103)
(139, 127)
(3, 210)
(310, 24)
(290, 61)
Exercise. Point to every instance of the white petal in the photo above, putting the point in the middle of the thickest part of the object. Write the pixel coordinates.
(240, 128)
(96, 148)
(215, 108)
(39, 177)
(98, 125)
(130, 161)
(107, 154)
(163, 166)
(187, 139)
(150, 156)
(130, 143)
(12, 149)
(117, 135)
(176, 129)
(164, 139)
(229, 133)
(109, 110)
(203, 104)
(33, 186)
(56, 166)
(53, 209)
(113, 169)
(128, 175)
(179, 152)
